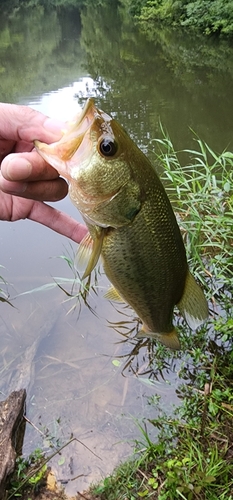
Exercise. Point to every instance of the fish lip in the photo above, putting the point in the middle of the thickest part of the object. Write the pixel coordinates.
(83, 130)
(89, 113)
(85, 119)
(78, 129)
(89, 107)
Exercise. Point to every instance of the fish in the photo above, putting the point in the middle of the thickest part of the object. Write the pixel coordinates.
(132, 226)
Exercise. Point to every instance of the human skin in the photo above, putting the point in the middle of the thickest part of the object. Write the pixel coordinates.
(26, 180)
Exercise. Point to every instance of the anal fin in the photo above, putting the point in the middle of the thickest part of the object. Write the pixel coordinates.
(193, 304)
(113, 295)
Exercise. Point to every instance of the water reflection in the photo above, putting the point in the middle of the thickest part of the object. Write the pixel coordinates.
(180, 80)
(66, 102)
(39, 51)
(184, 81)
(88, 375)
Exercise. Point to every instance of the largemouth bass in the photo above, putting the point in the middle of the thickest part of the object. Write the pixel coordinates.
(131, 223)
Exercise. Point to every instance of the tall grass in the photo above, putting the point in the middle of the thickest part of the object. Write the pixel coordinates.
(201, 192)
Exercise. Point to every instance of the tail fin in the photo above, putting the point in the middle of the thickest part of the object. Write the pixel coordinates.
(170, 339)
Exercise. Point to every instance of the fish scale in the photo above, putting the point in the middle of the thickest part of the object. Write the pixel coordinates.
(144, 280)
(131, 223)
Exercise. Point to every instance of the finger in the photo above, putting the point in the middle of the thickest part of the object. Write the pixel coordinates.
(22, 123)
(27, 166)
(5, 147)
(58, 221)
(53, 190)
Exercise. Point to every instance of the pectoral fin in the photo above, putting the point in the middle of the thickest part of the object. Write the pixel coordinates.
(170, 339)
(193, 305)
(88, 253)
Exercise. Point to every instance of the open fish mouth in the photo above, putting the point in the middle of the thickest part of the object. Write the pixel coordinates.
(84, 120)
(65, 154)
(75, 146)
(76, 131)
(89, 116)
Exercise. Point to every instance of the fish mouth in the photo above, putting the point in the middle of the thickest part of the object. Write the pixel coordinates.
(77, 139)
(86, 117)
(72, 149)
(89, 114)
(76, 131)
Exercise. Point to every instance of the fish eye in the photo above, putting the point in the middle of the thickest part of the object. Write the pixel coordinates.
(108, 147)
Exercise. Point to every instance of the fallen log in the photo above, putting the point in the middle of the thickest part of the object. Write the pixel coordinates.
(12, 427)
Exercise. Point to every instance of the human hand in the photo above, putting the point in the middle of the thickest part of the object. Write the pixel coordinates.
(26, 180)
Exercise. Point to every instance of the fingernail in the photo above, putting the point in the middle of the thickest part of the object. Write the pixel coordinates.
(17, 169)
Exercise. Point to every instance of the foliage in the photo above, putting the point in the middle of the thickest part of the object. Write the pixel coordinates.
(203, 198)
(9, 6)
(207, 16)
(191, 459)
(30, 471)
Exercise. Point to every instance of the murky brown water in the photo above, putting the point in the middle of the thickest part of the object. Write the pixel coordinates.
(77, 384)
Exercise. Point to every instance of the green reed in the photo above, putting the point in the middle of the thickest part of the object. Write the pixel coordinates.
(200, 186)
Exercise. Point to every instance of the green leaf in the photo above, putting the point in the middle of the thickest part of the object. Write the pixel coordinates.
(153, 483)
(227, 154)
(227, 187)
(210, 479)
(116, 362)
(143, 494)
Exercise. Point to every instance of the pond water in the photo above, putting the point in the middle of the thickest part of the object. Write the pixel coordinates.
(86, 379)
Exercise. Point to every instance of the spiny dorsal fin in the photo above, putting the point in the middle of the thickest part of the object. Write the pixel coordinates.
(193, 305)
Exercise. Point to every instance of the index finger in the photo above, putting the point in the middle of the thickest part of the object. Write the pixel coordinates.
(21, 123)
